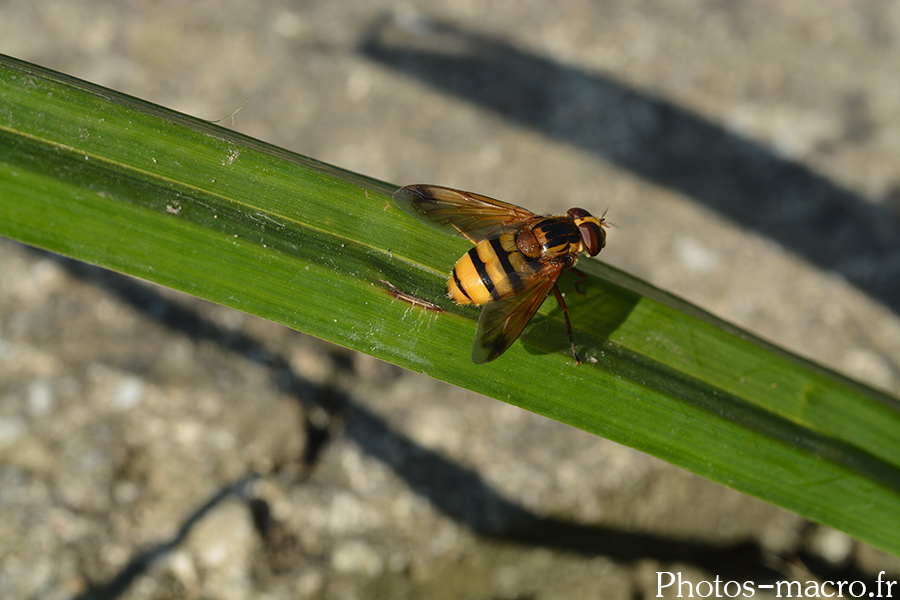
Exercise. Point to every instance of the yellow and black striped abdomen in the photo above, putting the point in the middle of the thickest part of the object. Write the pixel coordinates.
(492, 270)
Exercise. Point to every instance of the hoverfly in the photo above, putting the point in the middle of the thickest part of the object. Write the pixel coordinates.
(517, 259)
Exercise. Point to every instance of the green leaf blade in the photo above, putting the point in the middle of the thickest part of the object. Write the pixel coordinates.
(118, 182)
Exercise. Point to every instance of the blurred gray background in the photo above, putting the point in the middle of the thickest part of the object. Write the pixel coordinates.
(156, 446)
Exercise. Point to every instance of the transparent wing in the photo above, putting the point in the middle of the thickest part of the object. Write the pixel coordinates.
(466, 214)
(502, 321)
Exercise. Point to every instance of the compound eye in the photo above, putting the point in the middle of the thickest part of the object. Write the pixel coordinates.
(591, 230)
(593, 236)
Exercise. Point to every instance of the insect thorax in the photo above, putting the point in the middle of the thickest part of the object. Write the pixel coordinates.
(550, 239)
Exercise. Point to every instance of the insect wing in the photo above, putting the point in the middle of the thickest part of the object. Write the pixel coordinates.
(502, 321)
(465, 214)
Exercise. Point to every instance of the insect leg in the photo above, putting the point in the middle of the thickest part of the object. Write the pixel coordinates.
(562, 305)
(582, 277)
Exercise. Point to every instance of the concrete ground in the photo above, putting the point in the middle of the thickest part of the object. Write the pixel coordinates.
(152, 445)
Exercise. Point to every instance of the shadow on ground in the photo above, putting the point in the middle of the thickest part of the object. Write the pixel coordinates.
(784, 200)
(458, 492)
